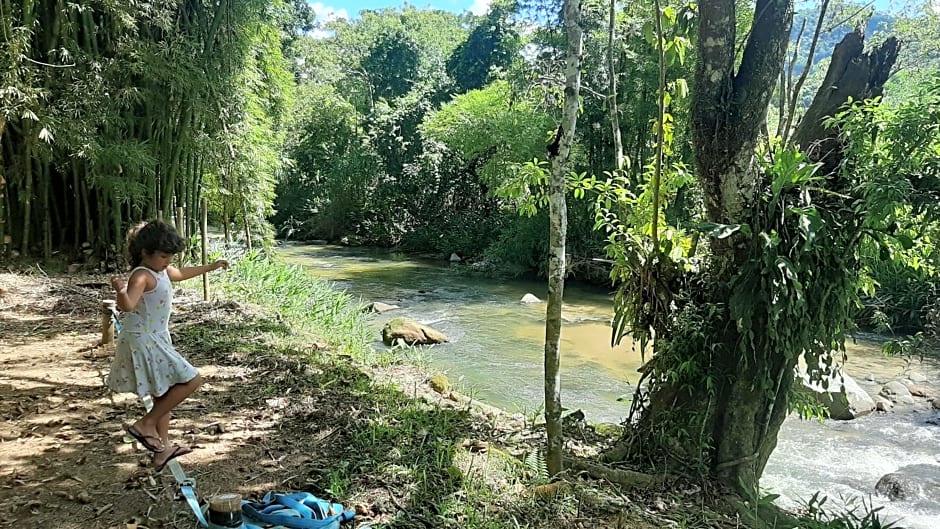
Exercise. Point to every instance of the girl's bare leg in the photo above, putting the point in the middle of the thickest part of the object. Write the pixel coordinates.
(163, 429)
(163, 405)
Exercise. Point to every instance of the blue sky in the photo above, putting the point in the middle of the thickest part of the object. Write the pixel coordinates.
(329, 9)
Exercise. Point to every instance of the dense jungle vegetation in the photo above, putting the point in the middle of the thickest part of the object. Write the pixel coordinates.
(403, 127)
(752, 202)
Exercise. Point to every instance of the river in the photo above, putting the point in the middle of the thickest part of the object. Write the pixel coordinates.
(495, 354)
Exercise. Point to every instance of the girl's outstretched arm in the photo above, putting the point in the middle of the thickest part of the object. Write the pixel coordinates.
(187, 272)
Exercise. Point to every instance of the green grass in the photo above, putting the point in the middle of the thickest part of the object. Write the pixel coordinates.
(307, 304)
(396, 443)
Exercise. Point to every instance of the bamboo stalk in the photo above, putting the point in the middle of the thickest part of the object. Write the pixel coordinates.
(225, 223)
(28, 195)
(46, 213)
(180, 227)
(204, 231)
(247, 229)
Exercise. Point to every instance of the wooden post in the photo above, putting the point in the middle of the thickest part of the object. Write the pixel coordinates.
(107, 320)
(204, 231)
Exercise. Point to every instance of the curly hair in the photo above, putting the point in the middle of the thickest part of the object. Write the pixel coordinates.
(151, 237)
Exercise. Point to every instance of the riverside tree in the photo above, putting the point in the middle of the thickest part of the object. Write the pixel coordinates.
(780, 275)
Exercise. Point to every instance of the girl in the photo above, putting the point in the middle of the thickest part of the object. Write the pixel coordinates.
(145, 361)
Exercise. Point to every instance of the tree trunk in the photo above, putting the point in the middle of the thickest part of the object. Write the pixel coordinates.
(726, 421)
(225, 222)
(727, 413)
(660, 128)
(247, 225)
(612, 95)
(3, 200)
(791, 90)
(46, 210)
(558, 152)
(854, 73)
(27, 196)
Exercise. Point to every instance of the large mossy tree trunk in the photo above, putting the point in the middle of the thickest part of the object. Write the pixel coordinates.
(720, 381)
(728, 110)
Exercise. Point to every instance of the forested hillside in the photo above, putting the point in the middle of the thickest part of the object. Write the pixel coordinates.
(417, 129)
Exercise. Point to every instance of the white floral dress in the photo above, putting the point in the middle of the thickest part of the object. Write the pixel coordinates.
(145, 362)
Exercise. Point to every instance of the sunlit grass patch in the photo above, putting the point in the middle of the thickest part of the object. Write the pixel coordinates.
(300, 300)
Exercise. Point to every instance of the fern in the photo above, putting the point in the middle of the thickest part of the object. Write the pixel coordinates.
(536, 467)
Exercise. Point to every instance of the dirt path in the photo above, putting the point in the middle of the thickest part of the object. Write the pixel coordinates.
(65, 461)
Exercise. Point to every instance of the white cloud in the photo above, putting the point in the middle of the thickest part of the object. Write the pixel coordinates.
(328, 13)
(480, 7)
(325, 14)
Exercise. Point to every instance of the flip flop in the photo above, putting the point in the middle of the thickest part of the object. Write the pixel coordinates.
(177, 451)
(142, 439)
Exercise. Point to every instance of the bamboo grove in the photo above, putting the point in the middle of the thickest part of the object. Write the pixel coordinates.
(121, 110)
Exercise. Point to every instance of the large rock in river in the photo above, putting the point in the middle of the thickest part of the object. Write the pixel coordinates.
(910, 482)
(411, 332)
(842, 395)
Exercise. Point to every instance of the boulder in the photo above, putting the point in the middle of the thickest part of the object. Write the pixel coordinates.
(918, 390)
(530, 298)
(936, 404)
(454, 258)
(842, 396)
(379, 307)
(439, 383)
(411, 332)
(609, 429)
(883, 404)
(897, 393)
(912, 481)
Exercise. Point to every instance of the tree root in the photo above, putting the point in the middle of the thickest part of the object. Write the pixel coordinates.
(624, 478)
(764, 515)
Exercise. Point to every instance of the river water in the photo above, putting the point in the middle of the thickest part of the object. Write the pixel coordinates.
(495, 355)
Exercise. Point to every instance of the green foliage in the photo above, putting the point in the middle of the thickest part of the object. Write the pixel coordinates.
(897, 148)
(143, 108)
(793, 290)
(648, 253)
(536, 467)
(855, 514)
(492, 130)
(490, 48)
(392, 65)
(325, 192)
(521, 246)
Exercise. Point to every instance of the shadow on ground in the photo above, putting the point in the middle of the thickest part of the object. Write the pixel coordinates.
(269, 417)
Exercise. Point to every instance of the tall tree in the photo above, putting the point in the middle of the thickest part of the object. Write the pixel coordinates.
(558, 152)
(492, 44)
(612, 86)
(779, 280)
